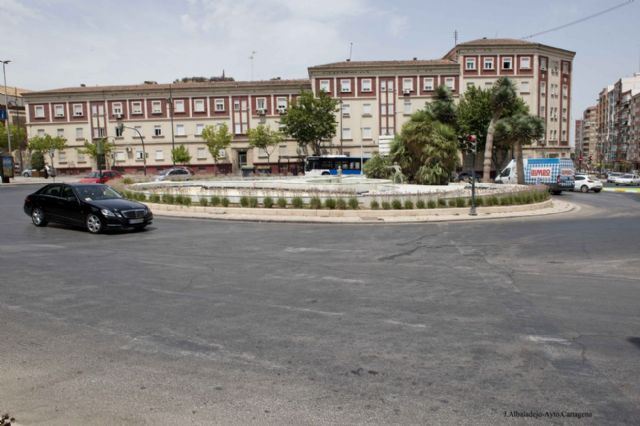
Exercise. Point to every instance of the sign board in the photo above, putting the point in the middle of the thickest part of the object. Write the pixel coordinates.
(6, 167)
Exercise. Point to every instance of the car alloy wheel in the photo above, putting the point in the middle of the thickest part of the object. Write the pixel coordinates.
(37, 217)
(94, 224)
(584, 188)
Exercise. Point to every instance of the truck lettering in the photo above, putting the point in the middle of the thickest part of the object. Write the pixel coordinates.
(541, 172)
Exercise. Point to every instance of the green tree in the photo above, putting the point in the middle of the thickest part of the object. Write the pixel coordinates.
(37, 160)
(181, 155)
(474, 114)
(518, 130)
(378, 167)
(263, 137)
(216, 141)
(503, 100)
(311, 120)
(443, 108)
(18, 136)
(91, 149)
(426, 150)
(47, 144)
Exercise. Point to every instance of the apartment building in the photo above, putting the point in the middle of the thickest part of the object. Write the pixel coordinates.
(165, 115)
(586, 135)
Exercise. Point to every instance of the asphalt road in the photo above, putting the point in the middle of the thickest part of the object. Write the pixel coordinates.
(212, 322)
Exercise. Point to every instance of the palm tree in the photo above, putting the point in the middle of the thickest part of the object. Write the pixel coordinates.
(503, 99)
(519, 129)
(443, 107)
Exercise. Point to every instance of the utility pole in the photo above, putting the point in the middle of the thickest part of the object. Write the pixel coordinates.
(251, 57)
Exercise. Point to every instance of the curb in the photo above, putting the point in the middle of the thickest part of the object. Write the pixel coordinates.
(622, 190)
(360, 216)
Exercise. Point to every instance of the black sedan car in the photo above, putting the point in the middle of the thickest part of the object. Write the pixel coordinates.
(96, 207)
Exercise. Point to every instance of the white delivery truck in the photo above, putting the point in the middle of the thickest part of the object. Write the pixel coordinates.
(558, 174)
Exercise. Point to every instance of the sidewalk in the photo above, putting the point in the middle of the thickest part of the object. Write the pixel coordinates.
(21, 180)
(361, 216)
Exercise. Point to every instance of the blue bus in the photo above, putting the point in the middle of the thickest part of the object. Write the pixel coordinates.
(325, 165)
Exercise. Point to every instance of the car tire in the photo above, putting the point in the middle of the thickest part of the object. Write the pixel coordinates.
(597, 190)
(326, 173)
(556, 192)
(584, 188)
(94, 223)
(38, 217)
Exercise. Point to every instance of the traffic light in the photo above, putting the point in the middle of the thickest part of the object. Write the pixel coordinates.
(472, 142)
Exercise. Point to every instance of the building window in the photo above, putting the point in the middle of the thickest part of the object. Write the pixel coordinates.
(470, 64)
(488, 84)
(525, 63)
(156, 107)
(543, 64)
(58, 110)
(139, 131)
(238, 129)
(428, 84)
(524, 87)
(324, 86)
(470, 84)
(282, 150)
(157, 130)
(507, 63)
(366, 133)
(159, 155)
(199, 128)
(390, 110)
(178, 105)
(565, 67)
(543, 87)
(390, 86)
(180, 130)
(219, 105)
(450, 82)
(346, 110)
(198, 105)
(81, 157)
(60, 133)
(346, 133)
(261, 104)
(39, 111)
(281, 104)
(120, 156)
(201, 154)
(116, 108)
(407, 84)
(345, 86)
(62, 157)
(136, 108)
(119, 131)
(383, 85)
(366, 109)
(383, 109)
(78, 110)
(487, 63)
(139, 154)
(366, 85)
(542, 111)
(262, 153)
(236, 105)
(79, 133)
(41, 133)
(407, 107)
(565, 90)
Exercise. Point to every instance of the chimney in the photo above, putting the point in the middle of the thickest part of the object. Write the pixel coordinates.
(83, 85)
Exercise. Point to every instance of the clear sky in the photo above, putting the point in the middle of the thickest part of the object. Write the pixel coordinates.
(60, 43)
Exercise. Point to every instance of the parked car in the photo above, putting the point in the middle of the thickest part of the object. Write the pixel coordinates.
(627, 179)
(101, 177)
(27, 173)
(175, 173)
(96, 207)
(466, 177)
(586, 183)
(612, 176)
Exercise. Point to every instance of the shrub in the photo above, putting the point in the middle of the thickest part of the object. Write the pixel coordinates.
(127, 181)
(282, 203)
(168, 198)
(244, 201)
(516, 199)
(341, 204)
(154, 198)
(442, 203)
(526, 198)
(253, 202)
(142, 196)
(315, 203)
(461, 202)
(479, 201)
(297, 202)
(421, 204)
(408, 204)
(431, 204)
(353, 203)
(215, 201)
(505, 200)
(374, 205)
(267, 202)
(396, 204)
(386, 205)
(186, 201)
(330, 203)
(451, 202)
(204, 202)
(492, 201)
(224, 201)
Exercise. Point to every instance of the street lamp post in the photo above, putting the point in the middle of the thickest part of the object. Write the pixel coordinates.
(473, 145)
(6, 103)
(121, 126)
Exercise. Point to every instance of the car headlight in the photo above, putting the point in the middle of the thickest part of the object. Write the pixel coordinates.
(107, 213)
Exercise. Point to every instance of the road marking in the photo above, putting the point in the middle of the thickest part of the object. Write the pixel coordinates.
(546, 339)
(313, 311)
(406, 324)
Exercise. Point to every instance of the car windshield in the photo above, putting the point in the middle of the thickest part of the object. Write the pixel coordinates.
(97, 192)
(627, 176)
(93, 175)
(164, 172)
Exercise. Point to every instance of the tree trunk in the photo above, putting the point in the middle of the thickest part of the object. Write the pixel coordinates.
(488, 152)
(517, 148)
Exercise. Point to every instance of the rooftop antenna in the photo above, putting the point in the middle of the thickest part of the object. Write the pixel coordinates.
(455, 37)
(253, 54)
(350, 50)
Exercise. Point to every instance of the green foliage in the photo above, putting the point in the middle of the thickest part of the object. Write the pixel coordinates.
(127, 181)
(244, 201)
(426, 150)
(91, 149)
(461, 202)
(282, 203)
(180, 155)
(442, 202)
(215, 201)
(204, 202)
(178, 199)
(353, 203)
(474, 114)
(154, 198)
(297, 202)
(224, 201)
(18, 136)
(311, 120)
(267, 202)
(374, 205)
(443, 108)
(168, 198)
(378, 167)
(186, 200)
(253, 202)
(479, 201)
(408, 205)
(518, 130)
(386, 205)
(505, 200)
(217, 140)
(341, 204)
(263, 137)
(47, 144)
(330, 203)
(431, 204)
(396, 204)
(451, 202)
(315, 203)
(420, 204)
(37, 160)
